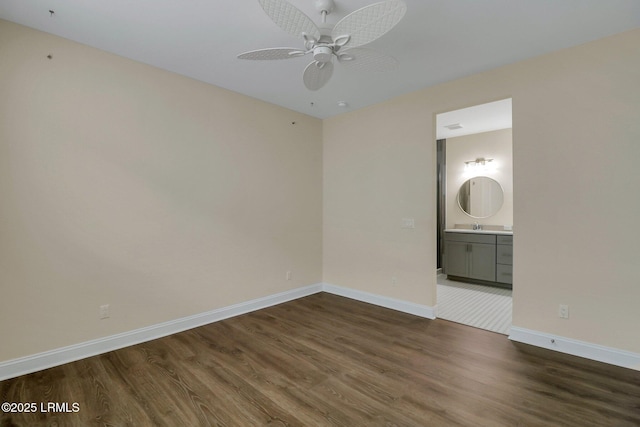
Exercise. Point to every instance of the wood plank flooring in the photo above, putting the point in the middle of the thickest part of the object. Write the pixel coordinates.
(325, 360)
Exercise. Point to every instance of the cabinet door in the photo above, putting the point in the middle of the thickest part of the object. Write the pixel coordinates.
(505, 255)
(504, 274)
(482, 262)
(456, 257)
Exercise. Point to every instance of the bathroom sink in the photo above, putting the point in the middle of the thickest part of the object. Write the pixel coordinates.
(468, 230)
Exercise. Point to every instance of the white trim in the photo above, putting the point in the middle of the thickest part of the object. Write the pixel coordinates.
(587, 350)
(382, 301)
(48, 359)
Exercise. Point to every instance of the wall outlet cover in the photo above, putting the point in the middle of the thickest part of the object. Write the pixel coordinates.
(104, 311)
(408, 223)
(563, 311)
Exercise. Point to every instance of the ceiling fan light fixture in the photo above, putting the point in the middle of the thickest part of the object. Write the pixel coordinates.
(356, 29)
(322, 53)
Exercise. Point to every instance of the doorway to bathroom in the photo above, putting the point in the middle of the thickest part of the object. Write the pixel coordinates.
(475, 215)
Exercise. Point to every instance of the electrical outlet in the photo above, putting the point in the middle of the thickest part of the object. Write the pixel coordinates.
(104, 311)
(288, 275)
(563, 311)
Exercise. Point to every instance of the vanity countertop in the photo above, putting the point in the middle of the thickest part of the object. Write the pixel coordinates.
(465, 230)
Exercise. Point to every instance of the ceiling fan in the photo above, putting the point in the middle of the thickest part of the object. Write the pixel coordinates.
(342, 42)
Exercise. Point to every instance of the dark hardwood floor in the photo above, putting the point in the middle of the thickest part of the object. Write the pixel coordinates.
(327, 360)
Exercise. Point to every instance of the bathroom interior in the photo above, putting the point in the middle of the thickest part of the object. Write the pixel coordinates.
(475, 216)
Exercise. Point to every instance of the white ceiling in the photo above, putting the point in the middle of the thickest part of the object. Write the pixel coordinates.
(477, 119)
(437, 40)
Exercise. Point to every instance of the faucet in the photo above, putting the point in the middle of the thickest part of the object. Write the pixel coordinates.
(477, 226)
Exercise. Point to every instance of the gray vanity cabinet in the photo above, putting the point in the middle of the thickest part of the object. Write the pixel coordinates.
(504, 259)
(457, 258)
(479, 258)
(471, 256)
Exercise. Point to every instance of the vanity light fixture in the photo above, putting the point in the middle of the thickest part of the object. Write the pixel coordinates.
(479, 165)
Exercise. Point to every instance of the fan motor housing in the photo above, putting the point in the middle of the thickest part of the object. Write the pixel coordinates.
(322, 53)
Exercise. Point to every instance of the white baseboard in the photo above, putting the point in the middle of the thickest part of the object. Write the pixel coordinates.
(394, 304)
(48, 359)
(587, 350)
(60, 356)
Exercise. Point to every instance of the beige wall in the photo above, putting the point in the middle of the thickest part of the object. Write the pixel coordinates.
(165, 197)
(496, 145)
(126, 185)
(374, 177)
(575, 149)
(376, 172)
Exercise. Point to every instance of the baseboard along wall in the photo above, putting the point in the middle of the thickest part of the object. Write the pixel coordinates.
(37, 362)
(587, 350)
(60, 356)
(382, 301)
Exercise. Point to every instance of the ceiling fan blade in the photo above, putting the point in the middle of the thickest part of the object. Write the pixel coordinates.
(272, 53)
(317, 74)
(370, 22)
(290, 18)
(364, 59)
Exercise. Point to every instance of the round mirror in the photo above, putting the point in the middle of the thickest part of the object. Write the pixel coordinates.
(480, 197)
